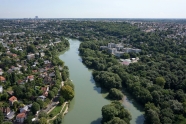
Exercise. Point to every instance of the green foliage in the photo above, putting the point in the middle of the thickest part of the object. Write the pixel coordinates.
(116, 120)
(58, 120)
(160, 81)
(107, 80)
(115, 94)
(51, 95)
(42, 120)
(61, 100)
(67, 92)
(113, 110)
(1, 117)
(41, 103)
(31, 49)
(35, 107)
(126, 56)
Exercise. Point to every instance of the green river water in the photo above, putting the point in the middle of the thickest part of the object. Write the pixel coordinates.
(86, 106)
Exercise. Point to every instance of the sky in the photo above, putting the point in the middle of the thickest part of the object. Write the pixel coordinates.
(93, 8)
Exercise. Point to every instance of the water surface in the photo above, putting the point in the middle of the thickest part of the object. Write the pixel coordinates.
(86, 106)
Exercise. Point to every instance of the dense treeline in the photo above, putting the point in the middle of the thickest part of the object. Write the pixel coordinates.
(157, 81)
(115, 113)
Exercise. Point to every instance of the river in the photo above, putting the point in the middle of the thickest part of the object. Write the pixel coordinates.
(86, 106)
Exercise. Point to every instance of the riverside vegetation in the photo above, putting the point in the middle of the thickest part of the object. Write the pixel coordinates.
(157, 81)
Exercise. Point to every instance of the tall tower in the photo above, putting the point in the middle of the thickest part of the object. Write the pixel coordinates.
(36, 17)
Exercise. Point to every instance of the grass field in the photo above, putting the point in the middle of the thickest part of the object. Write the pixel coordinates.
(55, 111)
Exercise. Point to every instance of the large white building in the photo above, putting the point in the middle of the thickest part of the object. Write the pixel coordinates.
(111, 45)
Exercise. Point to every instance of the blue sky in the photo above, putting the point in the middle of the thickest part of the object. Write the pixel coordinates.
(93, 8)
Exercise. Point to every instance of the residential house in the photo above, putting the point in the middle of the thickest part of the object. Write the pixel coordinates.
(42, 97)
(24, 109)
(20, 117)
(52, 74)
(10, 93)
(48, 80)
(12, 100)
(30, 56)
(5, 110)
(11, 115)
(45, 90)
(31, 78)
(2, 79)
(20, 82)
(7, 113)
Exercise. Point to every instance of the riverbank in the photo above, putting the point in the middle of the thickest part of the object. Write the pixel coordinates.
(89, 98)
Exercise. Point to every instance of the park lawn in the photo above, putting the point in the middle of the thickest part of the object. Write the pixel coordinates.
(55, 111)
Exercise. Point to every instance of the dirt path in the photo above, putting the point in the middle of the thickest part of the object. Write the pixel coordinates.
(64, 104)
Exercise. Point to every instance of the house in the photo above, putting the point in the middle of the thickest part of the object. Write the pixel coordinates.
(10, 93)
(31, 78)
(11, 115)
(5, 110)
(48, 80)
(52, 74)
(2, 79)
(12, 100)
(45, 90)
(20, 117)
(30, 56)
(24, 109)
(20, 82)
(42, 97)
(111, 45)
(1, 89)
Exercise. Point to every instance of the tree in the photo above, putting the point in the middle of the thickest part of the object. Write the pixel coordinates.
(31, 49)
(58, 120)
(115, 94)
(116, 120)
(115, 109)
(152, 117)
(35, 107)
(43, 120)
(67, 92)
(126, 56)
(43, 114)
(41, 103)
(7, 122)
(61, 100)
(51, 95)
(28, 120)
(160, 81)
(1, 117)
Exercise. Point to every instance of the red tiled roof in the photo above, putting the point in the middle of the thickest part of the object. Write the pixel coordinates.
(13, 98)
(30, 77)
(21, 115)
(2, 78)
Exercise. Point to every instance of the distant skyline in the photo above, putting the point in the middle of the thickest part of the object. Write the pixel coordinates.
(93, 8)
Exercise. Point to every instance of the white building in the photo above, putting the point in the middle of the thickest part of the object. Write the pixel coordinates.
(111, 45)
(30, 56)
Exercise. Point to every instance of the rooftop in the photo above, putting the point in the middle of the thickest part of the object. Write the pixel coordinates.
(13, 98)
(21, 115)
